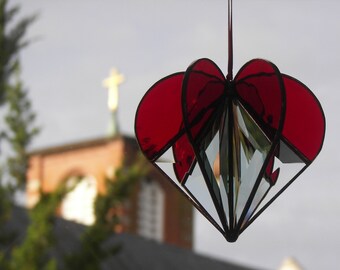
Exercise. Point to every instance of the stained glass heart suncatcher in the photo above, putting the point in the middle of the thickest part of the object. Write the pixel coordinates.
(231, 145)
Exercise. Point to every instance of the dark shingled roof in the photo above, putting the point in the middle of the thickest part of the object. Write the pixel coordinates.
(135, 253)
(139, 253)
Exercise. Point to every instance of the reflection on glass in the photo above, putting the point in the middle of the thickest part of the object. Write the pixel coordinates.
(251, 149)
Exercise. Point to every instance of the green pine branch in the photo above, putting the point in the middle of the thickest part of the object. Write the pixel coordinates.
(21, 130)
(12, 40)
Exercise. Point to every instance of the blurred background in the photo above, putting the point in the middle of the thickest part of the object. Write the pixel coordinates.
(73, 46)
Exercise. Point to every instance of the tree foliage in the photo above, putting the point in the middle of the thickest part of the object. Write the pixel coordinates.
(12, 40)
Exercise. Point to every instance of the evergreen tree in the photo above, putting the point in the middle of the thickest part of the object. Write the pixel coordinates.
(12, 34)
(34, 252)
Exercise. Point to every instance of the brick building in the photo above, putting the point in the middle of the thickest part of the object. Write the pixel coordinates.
(156, 210)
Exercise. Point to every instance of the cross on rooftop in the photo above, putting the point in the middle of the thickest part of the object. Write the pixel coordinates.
(112, 83)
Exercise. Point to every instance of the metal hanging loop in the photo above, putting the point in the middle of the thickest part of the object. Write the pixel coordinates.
(230, 41)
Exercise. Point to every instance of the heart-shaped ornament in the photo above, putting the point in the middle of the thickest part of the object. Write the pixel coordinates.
(230, 146)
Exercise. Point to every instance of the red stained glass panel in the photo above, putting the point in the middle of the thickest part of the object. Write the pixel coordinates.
(304, 125)
(159, 116)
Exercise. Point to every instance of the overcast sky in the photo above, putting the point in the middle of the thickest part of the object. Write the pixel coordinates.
(78, 41)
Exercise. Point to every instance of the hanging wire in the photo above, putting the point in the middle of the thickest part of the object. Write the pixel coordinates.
(230, 41)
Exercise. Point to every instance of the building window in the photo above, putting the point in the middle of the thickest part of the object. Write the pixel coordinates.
(151, 210)
(78, 204)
